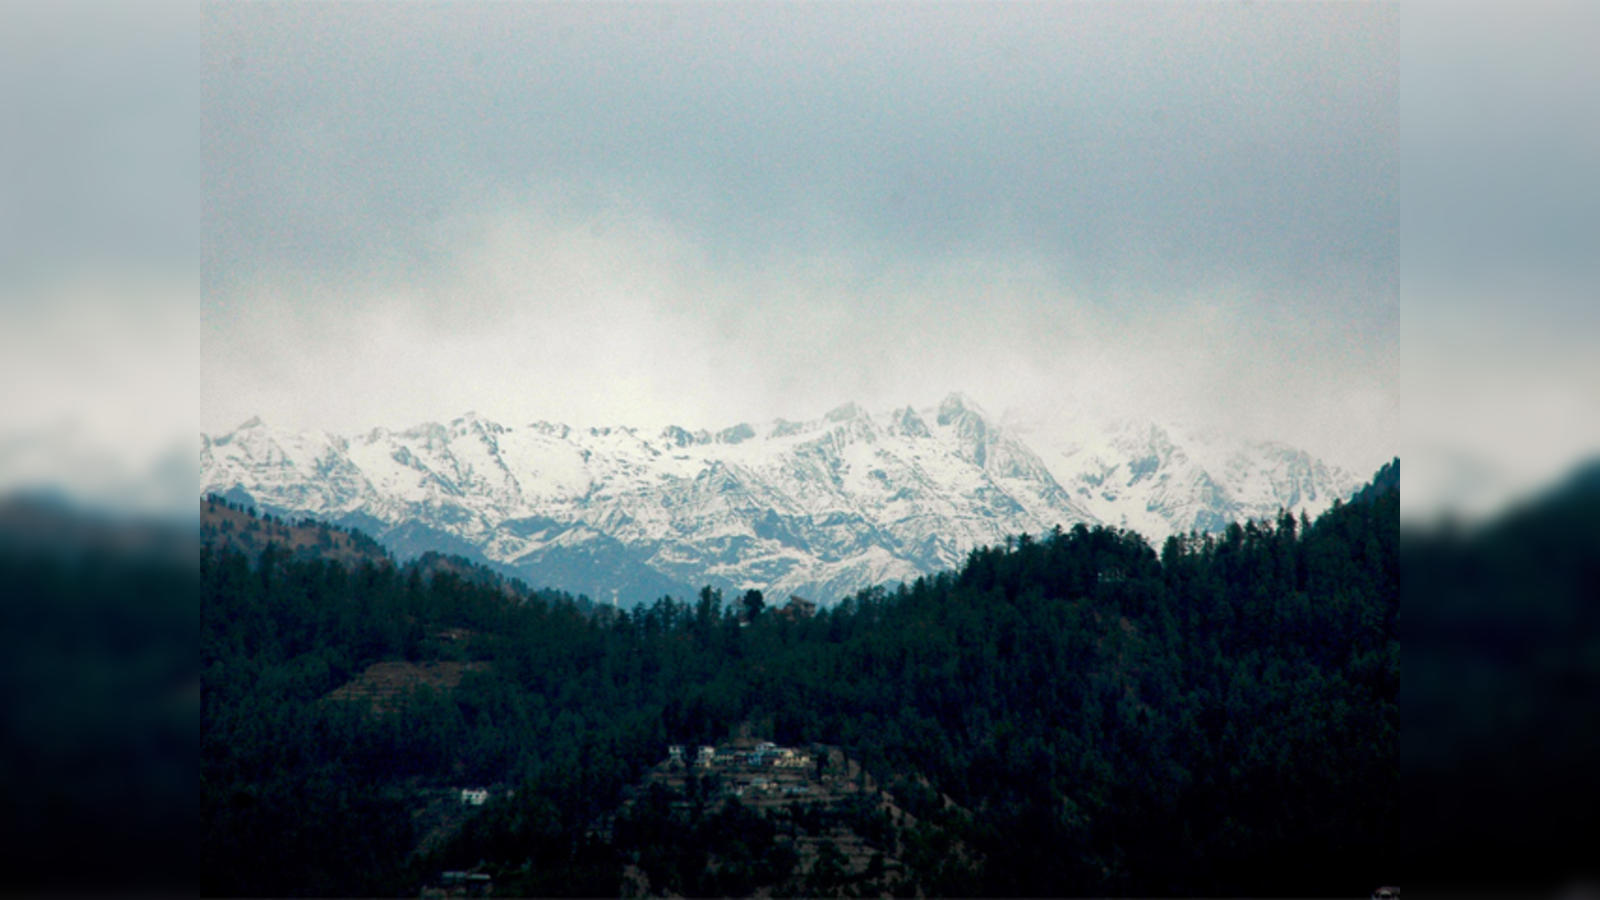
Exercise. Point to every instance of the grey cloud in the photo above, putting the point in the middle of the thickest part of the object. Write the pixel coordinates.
(1168, 139)
(768, 209)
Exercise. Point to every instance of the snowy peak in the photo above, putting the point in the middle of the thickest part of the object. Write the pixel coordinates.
(1158, 480)
(846, 412)
(821, 507)
(736, 434)
(680, 437)
(955, 406)
(965, 424)
(906, 422)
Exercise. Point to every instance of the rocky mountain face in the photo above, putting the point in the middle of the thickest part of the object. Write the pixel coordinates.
(819, 508)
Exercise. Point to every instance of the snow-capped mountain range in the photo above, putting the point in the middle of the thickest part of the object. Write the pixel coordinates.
(819, 508)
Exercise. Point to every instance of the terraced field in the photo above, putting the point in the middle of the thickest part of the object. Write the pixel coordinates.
(384, 684)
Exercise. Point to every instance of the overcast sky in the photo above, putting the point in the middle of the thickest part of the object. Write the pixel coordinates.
(705, 214)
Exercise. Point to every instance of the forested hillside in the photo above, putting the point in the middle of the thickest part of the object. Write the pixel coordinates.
(1502, 667)
(1216, 718)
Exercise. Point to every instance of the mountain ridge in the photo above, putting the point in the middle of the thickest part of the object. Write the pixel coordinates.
(820, 507)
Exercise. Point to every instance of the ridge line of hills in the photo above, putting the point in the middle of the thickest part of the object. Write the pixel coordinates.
(226, 525)
(819, 508)
(1072, 714)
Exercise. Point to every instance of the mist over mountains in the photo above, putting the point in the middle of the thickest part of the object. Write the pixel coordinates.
(819, 508)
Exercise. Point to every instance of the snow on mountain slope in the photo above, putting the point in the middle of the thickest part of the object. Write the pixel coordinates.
(1163, 480)
(820, 508)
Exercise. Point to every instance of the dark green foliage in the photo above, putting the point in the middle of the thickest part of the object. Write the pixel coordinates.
(98, 732)
(692, 851)
(1502, 625)
(1066, 715)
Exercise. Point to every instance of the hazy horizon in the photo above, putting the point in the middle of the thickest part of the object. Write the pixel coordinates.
(706, 214)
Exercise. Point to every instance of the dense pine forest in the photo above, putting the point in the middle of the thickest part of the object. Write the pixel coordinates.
(1074, 713)
(1502, 630)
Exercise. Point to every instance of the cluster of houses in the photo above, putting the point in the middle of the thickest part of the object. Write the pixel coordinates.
(766, 786)
(766, 754)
